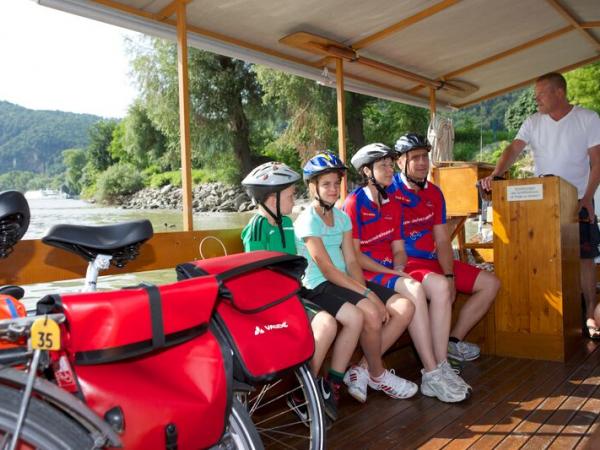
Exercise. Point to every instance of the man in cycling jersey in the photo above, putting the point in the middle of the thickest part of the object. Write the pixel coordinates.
(429, 248)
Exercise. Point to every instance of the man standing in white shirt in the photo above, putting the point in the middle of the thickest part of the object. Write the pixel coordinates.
(565, 141)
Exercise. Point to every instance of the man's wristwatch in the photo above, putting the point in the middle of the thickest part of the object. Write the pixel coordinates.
(449, 275)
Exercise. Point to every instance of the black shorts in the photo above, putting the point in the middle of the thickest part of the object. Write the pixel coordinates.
(331, 297)
(589, 236)
(311, 309)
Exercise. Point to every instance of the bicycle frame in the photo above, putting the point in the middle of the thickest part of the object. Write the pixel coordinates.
(101, 431)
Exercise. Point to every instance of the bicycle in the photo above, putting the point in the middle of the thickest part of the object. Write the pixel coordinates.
(36, 408)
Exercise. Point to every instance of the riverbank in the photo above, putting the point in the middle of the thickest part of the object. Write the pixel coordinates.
(210, 197)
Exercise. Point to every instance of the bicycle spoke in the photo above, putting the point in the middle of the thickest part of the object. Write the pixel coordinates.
(278, 441)
(256, 408)
(284, 412)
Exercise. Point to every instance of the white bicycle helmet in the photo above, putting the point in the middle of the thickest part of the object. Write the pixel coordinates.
(370, 153)
(268, 178)
(366, 157)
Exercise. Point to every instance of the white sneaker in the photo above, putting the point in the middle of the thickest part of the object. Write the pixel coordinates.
(434, 384)
(463, 351)
(393, 385)
(357, 379)
(451, 374)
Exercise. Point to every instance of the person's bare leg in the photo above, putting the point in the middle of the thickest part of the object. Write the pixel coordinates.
(370, 338)
(419, 327)
(324, 328)
(588, 287)
(401, 312)
(351, 319)
(484, 293)
(437, 290)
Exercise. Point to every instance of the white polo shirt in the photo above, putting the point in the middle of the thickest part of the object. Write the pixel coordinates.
(561, 147)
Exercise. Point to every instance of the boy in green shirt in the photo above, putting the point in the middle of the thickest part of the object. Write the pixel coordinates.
(271, 186)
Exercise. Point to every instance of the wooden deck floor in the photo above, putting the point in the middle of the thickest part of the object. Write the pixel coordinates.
(516, 403)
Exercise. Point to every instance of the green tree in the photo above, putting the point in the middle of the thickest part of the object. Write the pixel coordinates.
(522, 108)
(15, 180)
(304, 112)
(583, 85)
(386, 121)
(137, 141)
(101, 136)
(74, 160)
(118, 179)
(224, 97)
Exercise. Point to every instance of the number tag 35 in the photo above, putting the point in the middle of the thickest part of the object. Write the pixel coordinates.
(45, 334)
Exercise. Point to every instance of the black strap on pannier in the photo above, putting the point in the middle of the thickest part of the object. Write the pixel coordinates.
(53, 303)
(290, 265)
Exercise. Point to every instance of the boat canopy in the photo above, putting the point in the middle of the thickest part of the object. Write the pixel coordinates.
(464, 50)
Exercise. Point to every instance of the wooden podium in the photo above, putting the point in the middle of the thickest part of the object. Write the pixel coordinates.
(536, 257)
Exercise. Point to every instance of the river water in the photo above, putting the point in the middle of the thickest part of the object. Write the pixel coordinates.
(48, 212)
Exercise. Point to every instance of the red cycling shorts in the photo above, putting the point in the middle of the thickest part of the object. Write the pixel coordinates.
(464, 274)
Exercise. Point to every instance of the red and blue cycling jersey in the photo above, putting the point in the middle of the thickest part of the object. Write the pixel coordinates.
(420, 212)
(375, 228)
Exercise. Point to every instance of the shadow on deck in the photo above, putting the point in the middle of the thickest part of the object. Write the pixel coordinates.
(516, 403)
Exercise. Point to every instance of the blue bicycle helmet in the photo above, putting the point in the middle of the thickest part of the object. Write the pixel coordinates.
(321, 163)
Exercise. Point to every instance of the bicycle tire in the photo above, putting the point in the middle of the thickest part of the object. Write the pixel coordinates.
(241, 433)
(45, 427)
(273, 432)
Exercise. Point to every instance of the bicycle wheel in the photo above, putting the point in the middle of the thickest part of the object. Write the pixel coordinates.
(45, 427)
(241, 433)
(278, 424)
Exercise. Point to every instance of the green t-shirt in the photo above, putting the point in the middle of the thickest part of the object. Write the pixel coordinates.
(259, 234)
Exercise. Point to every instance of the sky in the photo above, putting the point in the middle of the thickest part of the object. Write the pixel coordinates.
(57, 61)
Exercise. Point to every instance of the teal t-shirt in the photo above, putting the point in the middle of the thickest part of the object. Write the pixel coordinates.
(309, 224)
(259, 234)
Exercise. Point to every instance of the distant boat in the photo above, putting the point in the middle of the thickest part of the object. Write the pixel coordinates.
(45, 194)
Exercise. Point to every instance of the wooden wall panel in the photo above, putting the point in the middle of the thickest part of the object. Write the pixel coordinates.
(34, 262)
(457, 182)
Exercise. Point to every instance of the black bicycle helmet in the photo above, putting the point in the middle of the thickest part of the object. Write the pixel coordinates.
(411, 141)
(14, 220)
(406, 143)
(367, 156)
(266, 179)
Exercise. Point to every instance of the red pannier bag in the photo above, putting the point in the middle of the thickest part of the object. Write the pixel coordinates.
(148, 351)
(260, 313)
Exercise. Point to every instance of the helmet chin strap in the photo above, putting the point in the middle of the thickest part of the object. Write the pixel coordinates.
(420, 183)
(325, 207)
(381, 192)
(380, 189)
(276, 217)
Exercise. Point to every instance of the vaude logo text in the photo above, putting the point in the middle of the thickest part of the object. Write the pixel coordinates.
(274, 326)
